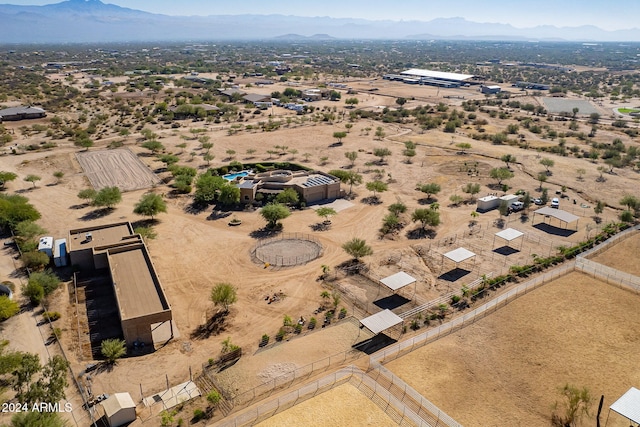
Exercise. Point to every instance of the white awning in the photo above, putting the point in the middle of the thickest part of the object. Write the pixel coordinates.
(509, 234)
(459, 255)
(628, 405)
(381, 321)
(563, 216)
(397, 281)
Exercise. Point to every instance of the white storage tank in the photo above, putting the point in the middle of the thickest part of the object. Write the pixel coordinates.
(60, 252)
(46, 245)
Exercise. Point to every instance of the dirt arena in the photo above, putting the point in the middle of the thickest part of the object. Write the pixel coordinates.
(116, 168)
(618, 257)
(506, 369)
(344, 405)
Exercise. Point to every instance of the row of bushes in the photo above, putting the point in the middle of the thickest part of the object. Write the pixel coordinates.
(236, 166)
(289, 326)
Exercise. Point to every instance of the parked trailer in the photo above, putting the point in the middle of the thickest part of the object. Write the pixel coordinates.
(60, 253)
(46, 245)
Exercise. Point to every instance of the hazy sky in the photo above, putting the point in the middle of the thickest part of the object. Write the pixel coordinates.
(608, 15)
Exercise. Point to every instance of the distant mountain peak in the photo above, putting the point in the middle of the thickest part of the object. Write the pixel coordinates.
(92, 21)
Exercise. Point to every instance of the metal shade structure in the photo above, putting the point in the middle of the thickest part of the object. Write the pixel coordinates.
(628, 405)
(381, 321)
(397, 281)
(509, 234)
(458, 255)
(562, 216)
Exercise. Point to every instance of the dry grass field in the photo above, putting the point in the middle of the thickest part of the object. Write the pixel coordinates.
(506, 369)
(196, 250)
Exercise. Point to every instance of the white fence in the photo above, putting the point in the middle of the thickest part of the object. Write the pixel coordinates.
(385, 397)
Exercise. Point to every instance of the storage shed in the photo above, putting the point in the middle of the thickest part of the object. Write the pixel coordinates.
(119, 409)
(46, 245)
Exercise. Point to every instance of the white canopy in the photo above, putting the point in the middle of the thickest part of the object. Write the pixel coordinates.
(380, 321)
(397, 281)
(563, 216)
(459, 255)
(509, 234)
(628, 405)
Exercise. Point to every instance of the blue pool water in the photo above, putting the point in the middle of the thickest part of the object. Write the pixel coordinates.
(232, 176)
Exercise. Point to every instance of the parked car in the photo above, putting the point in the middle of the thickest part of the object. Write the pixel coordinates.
(555, 203)
(517, 206)
(537, 201)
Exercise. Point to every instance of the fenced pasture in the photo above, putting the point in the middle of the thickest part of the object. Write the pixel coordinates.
(438, 280)
(559, 334)
(522, 353)
(560, 105)
(345, 397)
(618, 255)
(116, 168)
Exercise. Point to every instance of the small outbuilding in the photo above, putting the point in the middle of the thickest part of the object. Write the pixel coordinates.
(119, 409)
(489, 90)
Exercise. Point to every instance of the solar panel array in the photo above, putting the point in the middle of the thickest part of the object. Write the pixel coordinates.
(317, 180)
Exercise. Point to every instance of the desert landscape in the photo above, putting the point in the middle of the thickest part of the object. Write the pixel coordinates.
(518, 356)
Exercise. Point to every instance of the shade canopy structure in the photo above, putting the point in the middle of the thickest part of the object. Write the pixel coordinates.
(509, 235)
(559, 214)
(459, 255)
(628, 405)
(397, 281)
(380, 321)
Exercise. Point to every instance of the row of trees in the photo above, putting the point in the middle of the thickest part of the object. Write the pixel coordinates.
(150, 204)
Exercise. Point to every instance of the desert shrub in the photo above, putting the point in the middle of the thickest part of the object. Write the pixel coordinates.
(198, 414)
(51, 316)
(8, 307)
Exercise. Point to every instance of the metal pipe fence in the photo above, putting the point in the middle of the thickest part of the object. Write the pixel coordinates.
(402, 348)
(260, 252)
(383, 396)
(402, 403)
(608, 275)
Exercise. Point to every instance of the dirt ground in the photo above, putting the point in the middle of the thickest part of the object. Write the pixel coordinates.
(195, 250)
(618, 257)
(344, 405)
(506, 369)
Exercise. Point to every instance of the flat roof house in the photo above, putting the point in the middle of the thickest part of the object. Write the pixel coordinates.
(312, 186)
(21, 113)
(142, 303)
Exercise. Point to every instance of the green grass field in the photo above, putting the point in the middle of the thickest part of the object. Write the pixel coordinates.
(628, 110)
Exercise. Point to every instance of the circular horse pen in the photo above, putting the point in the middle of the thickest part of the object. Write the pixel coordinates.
(287, 250)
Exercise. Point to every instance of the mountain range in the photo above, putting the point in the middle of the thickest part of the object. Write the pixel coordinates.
(92, 21)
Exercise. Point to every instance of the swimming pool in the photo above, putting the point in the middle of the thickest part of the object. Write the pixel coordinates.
(232, 176)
